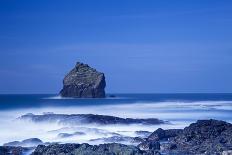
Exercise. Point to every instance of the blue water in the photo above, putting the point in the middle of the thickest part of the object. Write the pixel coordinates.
(43, 100)
(179, 110)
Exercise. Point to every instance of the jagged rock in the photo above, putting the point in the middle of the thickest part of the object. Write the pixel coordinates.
(89, 119)
(149, 145)
(161, 134)
(83, 82)
(205, 137)
(86, 149)
(208, 137)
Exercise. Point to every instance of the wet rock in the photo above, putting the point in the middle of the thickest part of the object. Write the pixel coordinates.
(10, 150)
(86, 149)
(84, 82)
(89, 119)
(210, 137)
(66, 135)
(149, 145)
(119, 139)
(161, 134)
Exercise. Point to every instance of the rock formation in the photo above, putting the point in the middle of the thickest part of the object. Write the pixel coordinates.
(86, 149)
(89, 119)
(208, 137)
(83, 82)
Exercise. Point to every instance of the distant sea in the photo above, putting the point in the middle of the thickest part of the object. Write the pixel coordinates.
(178, 109)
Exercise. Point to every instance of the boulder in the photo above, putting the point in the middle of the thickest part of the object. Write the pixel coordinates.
(84, 82)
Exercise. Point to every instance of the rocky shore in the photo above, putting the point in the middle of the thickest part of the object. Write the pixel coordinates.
(205, 137)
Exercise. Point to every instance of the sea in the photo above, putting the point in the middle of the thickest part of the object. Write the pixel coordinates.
(178, 110)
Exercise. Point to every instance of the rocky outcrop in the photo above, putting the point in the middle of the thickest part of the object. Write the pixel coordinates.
(204, 137)
(208, 137)
(86, 149)
(89, 119)
(83, 82)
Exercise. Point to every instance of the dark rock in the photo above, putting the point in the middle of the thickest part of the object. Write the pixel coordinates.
(83, 82)
(149, 145)
(112, 96)
(3, 150)
(66, 135)
(9, 150)
(86, 149)
(89, 119)
(120, 139)
(161, 134)
(32, 142)
(209, 137)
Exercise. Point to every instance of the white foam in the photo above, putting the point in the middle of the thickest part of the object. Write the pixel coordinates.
(179, 113)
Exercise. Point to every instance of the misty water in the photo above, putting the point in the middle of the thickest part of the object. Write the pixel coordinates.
(179, 110)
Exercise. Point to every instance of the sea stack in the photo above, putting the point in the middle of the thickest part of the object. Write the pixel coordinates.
(84, 82)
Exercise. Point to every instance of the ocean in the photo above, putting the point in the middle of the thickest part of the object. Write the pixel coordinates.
(178, 110)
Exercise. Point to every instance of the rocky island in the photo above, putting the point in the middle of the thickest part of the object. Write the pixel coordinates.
(84, 82)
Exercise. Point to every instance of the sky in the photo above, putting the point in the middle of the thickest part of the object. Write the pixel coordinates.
(142, 46)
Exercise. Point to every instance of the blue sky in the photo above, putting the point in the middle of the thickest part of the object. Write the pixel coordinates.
(143, 46)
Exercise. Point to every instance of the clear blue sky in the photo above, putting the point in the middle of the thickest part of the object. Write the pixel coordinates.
(143, 46)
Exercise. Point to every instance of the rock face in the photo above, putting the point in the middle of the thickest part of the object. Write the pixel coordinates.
(83, 82)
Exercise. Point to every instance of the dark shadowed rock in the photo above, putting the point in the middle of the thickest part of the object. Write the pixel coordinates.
(86, 149)
(149, 145)
(66, 135)
(89, 119)
(84, 82)
(119, 139)
(9, 150)
(208, 137)
(204, 137)
(161, 134)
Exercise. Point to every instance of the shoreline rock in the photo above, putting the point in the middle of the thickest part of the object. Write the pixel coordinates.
(89, 119)
(84, 82)
(208, 137)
